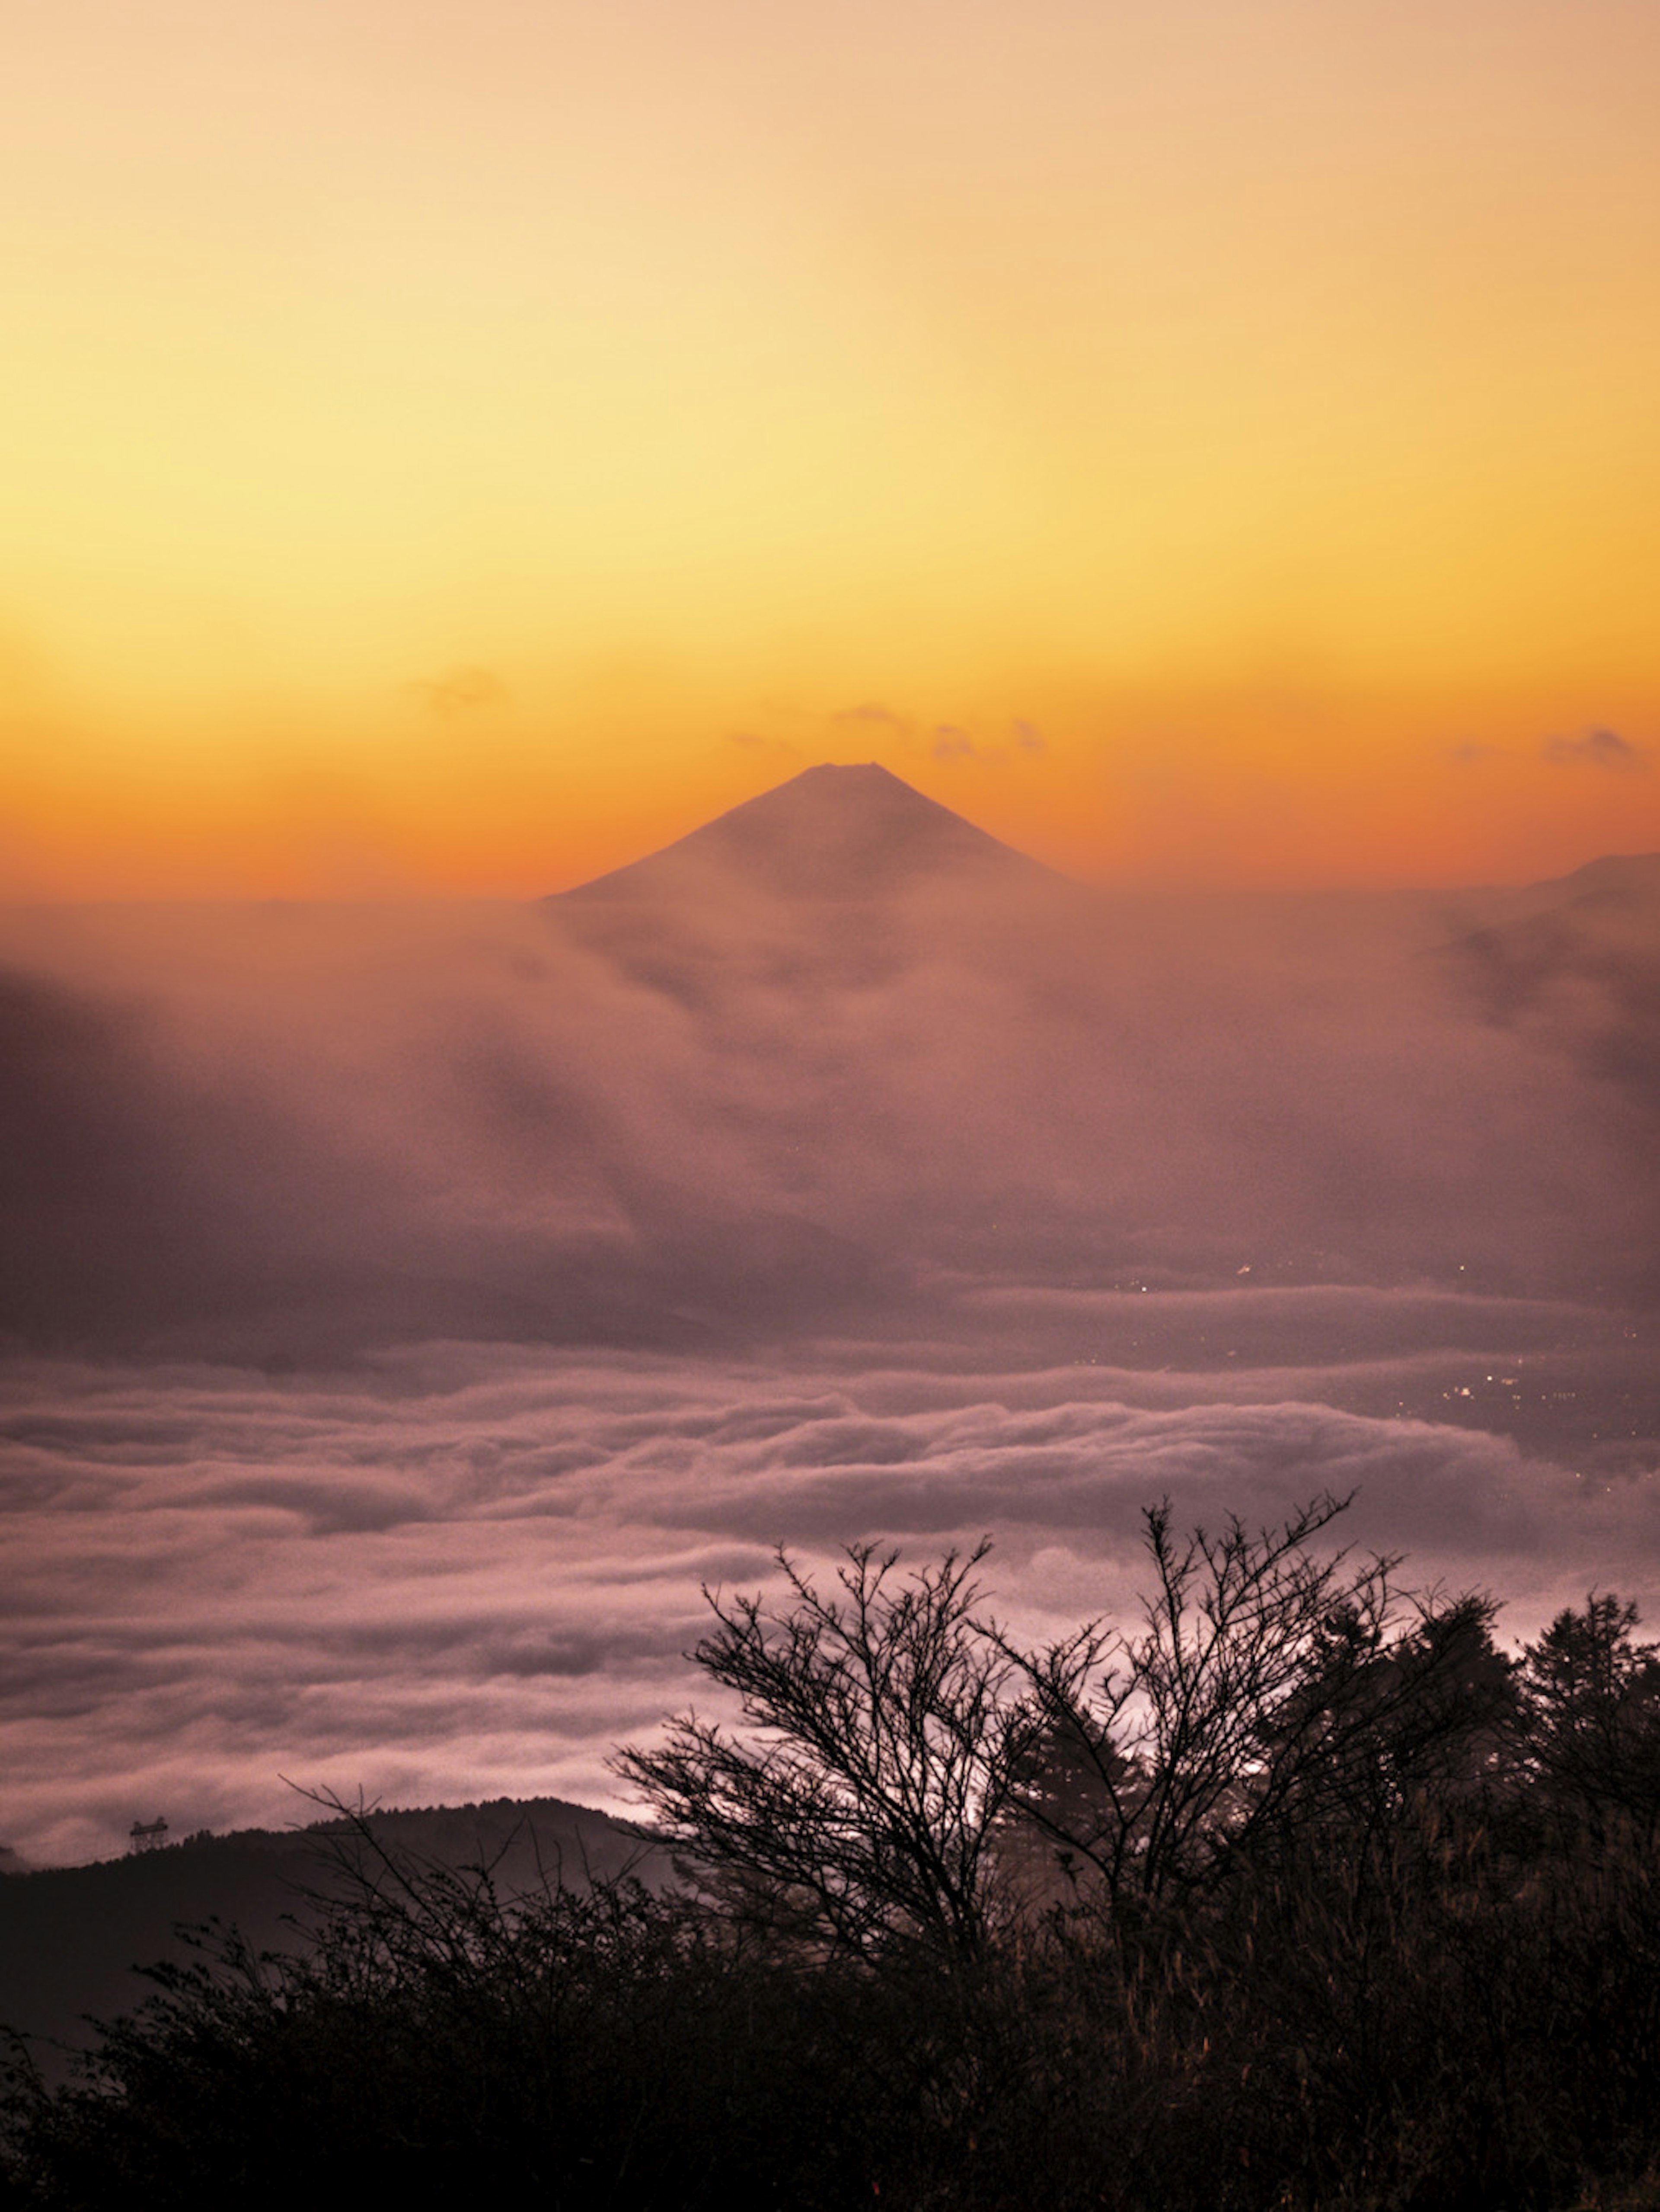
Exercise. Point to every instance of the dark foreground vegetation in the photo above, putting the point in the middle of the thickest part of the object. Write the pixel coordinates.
(1302, 1896)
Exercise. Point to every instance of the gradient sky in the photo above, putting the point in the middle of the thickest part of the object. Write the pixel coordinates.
(457, 447)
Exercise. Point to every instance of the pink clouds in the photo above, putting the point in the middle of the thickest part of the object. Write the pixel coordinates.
(409, 1309)
(471, 1571)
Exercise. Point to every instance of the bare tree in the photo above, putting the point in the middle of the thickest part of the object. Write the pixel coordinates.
(889, 1733)
(1272, 1692)
(912, 1775)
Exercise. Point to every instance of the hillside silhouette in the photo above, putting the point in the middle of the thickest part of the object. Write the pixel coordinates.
(73, 1939)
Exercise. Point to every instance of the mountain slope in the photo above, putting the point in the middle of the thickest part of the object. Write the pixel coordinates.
(829, 833)
(72, 1939)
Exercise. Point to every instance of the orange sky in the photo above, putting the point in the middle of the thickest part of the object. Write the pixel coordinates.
(455, 447)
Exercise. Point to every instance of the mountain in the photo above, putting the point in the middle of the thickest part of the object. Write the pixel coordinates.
(72, 1939)
(830, 833)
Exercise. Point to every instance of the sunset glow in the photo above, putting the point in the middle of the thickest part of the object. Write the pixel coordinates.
(455, 450)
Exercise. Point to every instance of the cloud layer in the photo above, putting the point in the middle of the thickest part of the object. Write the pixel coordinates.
(462, 1570)
(409, 1310)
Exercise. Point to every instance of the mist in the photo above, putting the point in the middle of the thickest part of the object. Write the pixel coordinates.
(407, 1309)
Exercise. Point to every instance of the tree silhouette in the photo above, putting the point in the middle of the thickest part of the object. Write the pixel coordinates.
(888, 1733)
(1590, 1695)
(909, 1774)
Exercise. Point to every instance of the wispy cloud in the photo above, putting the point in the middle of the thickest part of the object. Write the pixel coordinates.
(950, 743)
(1597, 748)
(462, 690)
(873, 713)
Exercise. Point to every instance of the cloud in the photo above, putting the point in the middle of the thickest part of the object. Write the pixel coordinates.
(953, 743)
(228, 1612)
(462, 690)
(872, 712)
(946, 741)
(744, 1113)
(1581, 979)
(409, 1310)
(1597, 748)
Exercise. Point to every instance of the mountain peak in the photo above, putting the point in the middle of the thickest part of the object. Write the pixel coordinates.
(831, 832)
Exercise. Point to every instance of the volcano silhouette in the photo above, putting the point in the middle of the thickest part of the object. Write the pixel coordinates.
(830, 833)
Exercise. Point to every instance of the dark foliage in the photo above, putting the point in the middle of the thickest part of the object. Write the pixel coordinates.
(1303, 1897)
(895, 1738)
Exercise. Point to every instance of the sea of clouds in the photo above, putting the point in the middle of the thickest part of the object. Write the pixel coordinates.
(408, 1311)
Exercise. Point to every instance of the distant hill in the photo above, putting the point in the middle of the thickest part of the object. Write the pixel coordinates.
(72, 1938)
(1574, 965)
(1616, 878)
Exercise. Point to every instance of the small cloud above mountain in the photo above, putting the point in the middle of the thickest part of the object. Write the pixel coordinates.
(871, 713)
(1597, 748)
(462, 690)
(951, 744)
(954, 743)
